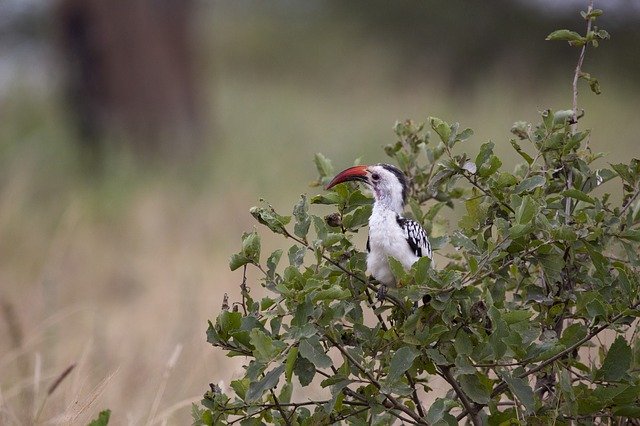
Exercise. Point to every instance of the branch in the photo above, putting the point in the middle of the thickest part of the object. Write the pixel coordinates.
(471, 410)
(502, 387)
(282, 413)
(396, 404)
(576, 75)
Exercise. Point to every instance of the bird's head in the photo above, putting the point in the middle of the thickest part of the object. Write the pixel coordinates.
(387, 182)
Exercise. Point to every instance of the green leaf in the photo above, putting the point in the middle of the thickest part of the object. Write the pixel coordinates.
(237, 260)
(240, 387)
(358, 218)
(300, 212)
(475, 389)
(570, 36)
(272, 262)
(266, 348)
(529, 184)
(401, 361)
(330, 198)
(490, 167)
(291, 362)
(269, 381)
(271, 219)
(632, 411)
(305, 370)
(335, 292)
(578, 195)
(486, 151)
(229, 321)
(617, 362)
(521, 390)
(573, 334)
(102, 420)
(517, 315)
(519, 150)
(441, 128)
(438, 414)
(397, 269)
(312, 350)
(630, 234)
(526, 211)
(323, 164)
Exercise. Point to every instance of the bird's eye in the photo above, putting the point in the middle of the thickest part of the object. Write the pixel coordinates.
(375, 176)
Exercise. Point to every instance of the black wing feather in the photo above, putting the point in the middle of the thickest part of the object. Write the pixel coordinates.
(416, 236)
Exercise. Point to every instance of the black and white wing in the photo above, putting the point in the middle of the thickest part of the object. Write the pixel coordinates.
(416, 236)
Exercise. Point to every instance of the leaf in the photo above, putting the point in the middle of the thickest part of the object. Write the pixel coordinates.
(272, 262)
(522, 391)
(102, 420)
(335, 292)
(573, 334)
(578, 195)
(630, 234)
(240, 387)
(441, 128)
(552, 265)
(519, 150)
(266, 348)
(269, 381)
(271, 219)
(529, 184)
(305, 370)
(617, 362)
(486, 151)
(570, 36)
(439, 413)
(330, 198)
(323, 164)
(472, 386)
(397, 269)
(290, 363)
(401, 361)
(300, 212)
(526, 211)
(312, 350)
(229, 321)
(237, 260)
(490, 167)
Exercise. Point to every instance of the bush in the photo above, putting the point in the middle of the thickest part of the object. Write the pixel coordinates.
(544, 261)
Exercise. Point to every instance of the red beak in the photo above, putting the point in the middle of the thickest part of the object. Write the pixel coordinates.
(358, 173)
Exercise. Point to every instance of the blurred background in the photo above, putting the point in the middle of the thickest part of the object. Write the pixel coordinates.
(135, 136)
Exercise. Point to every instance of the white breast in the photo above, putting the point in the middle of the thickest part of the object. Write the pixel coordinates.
(386, 238)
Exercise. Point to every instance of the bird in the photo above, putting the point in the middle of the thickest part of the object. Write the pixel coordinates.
(391, 234)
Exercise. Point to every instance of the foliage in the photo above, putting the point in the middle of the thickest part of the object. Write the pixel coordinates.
(542, 262)
(102, 420)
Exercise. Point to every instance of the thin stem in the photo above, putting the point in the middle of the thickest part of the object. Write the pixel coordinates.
(280, 409)
(470, 410)
(502, 387)
(578, 72)
(394, 401)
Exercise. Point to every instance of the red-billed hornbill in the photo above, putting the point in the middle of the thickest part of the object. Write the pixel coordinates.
(390, 234)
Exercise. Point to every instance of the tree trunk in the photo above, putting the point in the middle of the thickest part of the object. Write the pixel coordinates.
(130, 73)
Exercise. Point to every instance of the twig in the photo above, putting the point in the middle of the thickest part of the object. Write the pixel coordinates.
(502, 387)
(576, 75)
(470, 408)
(280, 409)
(394, 401)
